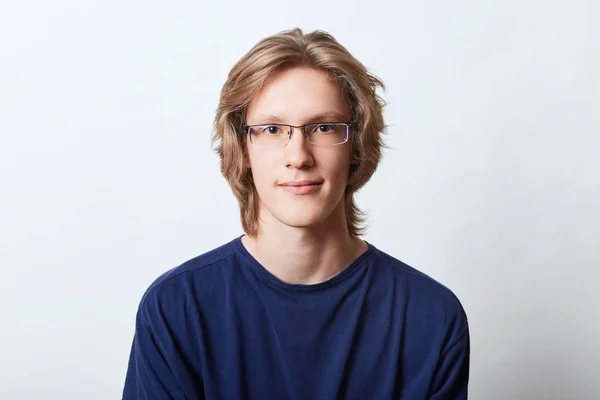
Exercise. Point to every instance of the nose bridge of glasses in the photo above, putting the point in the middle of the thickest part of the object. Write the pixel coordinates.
(301, 128)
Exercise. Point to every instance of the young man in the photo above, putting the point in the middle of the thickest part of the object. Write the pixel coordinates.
(299, 307)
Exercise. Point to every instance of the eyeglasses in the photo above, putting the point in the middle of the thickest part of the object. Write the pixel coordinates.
(278, 135)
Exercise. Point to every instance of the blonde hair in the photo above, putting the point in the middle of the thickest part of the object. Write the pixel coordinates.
(318, 50)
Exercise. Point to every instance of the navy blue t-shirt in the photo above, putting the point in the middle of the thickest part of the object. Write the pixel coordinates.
(221, 326)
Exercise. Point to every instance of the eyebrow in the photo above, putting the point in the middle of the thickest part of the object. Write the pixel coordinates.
(326, 116)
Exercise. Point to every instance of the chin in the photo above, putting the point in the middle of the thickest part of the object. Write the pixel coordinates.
(296, 223)
(301, 218)
(301, 214)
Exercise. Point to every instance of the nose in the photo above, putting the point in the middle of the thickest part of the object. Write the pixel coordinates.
(298, 152)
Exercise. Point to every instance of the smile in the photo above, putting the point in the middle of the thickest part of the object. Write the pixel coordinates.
(301, 188)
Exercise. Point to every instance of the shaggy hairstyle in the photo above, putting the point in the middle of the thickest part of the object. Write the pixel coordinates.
(288, 49)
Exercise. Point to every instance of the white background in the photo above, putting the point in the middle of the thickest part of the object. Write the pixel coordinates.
(491, 184)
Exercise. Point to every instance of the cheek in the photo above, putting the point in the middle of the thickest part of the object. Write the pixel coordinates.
(263, 170)
(338, 166)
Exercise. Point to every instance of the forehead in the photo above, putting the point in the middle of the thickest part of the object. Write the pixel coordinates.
(299, 95)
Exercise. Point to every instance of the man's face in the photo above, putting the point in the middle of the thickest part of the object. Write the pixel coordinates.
(299, 96)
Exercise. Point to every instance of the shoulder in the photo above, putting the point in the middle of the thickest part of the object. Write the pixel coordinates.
(422, 295)
(203, 268)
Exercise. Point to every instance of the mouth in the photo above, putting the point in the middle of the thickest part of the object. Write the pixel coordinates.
(302, 187)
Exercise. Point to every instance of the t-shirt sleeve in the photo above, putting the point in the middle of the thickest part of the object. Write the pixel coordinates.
(149, 374)
(452, 372)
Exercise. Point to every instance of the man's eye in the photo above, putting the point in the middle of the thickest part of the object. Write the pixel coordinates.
(272, 129)
(325, 128)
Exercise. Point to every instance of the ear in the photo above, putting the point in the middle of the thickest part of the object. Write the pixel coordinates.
(354, 158)
(246, 156)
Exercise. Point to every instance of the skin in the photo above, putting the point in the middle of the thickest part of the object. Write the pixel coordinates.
(303, 239)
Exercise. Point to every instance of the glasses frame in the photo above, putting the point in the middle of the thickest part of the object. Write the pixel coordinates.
(348, 125)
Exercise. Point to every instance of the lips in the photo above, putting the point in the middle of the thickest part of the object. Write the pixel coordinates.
(301, 187)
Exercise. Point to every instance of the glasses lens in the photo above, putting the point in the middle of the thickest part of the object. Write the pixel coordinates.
(268, 135)
(325, 134)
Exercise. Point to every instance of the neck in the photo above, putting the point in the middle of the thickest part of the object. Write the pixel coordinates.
(305, 255)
